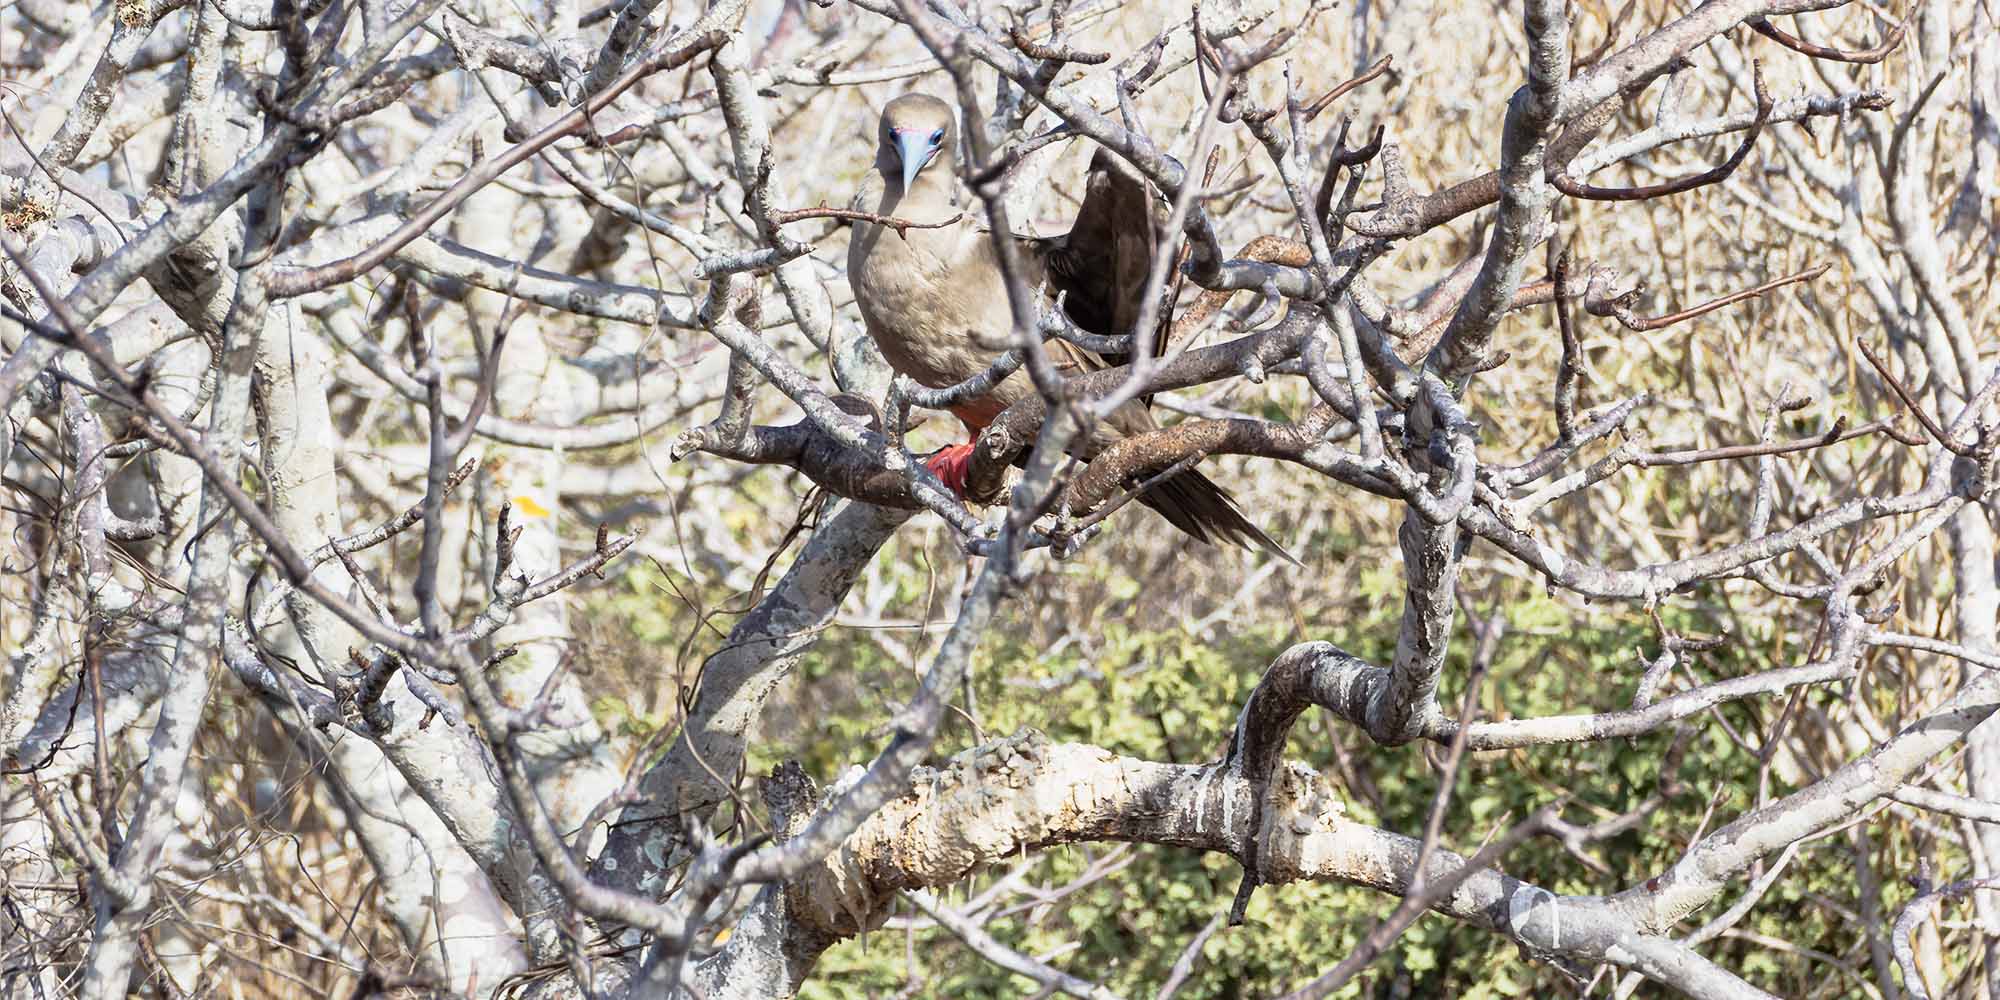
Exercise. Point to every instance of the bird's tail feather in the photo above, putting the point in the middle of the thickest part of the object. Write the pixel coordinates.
(1193, 503)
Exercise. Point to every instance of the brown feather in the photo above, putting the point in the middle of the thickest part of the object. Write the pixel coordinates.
(936, 305)
(1100, 268)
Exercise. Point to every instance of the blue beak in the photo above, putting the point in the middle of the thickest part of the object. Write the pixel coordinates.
(915, 150)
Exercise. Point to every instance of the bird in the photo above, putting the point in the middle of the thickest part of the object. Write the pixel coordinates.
(935, 302)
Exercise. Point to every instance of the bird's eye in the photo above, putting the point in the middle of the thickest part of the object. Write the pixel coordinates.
(937, 137)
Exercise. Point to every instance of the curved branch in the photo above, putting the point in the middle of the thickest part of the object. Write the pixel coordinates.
(1577, 189)
(1873, 54)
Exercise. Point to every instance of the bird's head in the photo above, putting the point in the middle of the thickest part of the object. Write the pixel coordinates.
(916, 129)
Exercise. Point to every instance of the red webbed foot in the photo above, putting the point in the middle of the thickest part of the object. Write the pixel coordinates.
(952, 465)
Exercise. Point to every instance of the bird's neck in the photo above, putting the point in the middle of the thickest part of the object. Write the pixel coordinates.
(927, 200)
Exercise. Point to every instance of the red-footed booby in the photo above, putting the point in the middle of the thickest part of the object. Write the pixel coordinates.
(936, 304)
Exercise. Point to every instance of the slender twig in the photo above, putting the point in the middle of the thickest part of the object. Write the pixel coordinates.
(1910, 403)
(1321, 103)
(900, 225)
(1621, 307)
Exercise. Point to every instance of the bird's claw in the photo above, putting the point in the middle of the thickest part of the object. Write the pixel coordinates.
(952, 465)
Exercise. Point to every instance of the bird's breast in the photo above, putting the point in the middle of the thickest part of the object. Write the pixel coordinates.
(922, 312)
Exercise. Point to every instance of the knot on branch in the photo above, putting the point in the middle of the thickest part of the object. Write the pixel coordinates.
(692, 440)
(1297, 804)
(1402, 212)
(991, 455)
(789, 793)
(1053, 52)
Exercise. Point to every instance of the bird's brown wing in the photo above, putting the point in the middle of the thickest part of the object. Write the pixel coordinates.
(1100, 266)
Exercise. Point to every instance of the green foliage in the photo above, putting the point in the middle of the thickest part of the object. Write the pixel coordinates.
(1154, 687)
